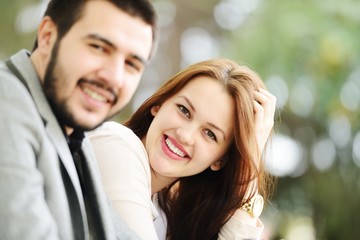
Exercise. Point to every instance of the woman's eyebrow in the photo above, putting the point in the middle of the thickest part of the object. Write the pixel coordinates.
(189, 102)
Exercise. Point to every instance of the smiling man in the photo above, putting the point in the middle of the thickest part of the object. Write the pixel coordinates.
(86, 64)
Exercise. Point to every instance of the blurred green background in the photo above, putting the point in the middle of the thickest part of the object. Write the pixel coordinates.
(307, 52)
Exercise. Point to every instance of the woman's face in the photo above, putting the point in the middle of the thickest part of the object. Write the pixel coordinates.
(191, 130)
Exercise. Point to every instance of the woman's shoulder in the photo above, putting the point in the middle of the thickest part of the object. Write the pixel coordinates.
(117, 134)
(114, 140)
(112, 128)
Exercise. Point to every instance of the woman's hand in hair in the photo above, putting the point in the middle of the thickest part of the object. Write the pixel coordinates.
(264, 110)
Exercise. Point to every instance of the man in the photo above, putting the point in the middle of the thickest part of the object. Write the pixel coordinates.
(85, 66)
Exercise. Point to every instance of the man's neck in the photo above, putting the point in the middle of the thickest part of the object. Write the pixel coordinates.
(68, 130)
(39, 64)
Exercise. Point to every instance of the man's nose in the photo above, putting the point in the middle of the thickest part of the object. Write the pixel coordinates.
(118, 70)
(113, 72)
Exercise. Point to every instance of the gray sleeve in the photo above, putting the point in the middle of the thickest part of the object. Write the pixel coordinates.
(24, 213)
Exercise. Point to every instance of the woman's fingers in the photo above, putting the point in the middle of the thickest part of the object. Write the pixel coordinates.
(264, 110)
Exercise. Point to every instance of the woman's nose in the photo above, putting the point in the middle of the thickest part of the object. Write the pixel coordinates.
(186, 135)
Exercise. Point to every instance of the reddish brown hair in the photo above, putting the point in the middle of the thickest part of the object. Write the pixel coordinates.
(198, 206)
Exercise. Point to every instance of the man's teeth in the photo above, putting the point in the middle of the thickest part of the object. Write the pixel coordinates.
(95, 95)
(174, 149)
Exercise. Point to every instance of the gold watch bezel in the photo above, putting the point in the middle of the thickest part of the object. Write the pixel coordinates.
(254, 206)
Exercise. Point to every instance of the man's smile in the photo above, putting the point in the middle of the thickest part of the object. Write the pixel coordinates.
(98, 92)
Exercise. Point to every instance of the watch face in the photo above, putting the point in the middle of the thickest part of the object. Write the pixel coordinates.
(258, 206)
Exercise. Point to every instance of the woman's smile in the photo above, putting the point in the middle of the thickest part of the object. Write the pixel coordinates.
(173, 150)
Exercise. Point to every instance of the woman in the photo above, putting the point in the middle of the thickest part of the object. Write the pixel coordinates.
(203, 133)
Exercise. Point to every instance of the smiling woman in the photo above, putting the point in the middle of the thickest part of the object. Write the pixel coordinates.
(192, 152)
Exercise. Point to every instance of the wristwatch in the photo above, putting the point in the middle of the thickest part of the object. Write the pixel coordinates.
(254, 206)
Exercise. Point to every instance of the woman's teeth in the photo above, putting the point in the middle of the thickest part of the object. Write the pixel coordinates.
(174, 149)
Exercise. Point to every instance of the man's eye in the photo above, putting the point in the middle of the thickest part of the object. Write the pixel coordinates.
(210, 134)
(184, 110)
(133, 65)
(98, 47)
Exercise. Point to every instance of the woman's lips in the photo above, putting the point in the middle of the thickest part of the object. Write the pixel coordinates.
(173, 148)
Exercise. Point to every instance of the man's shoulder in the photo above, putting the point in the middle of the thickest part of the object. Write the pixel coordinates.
(11, 87)
(21, 64)
(20, 59)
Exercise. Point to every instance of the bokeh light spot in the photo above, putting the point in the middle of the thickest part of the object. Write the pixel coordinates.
(340, 130)
(350, 96)
(283, 156)
(324, 154)
(356, 149)
(278, 86)
(301, 100)
(198, 45)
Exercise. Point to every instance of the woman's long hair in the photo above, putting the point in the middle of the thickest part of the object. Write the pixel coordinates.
(198, 206)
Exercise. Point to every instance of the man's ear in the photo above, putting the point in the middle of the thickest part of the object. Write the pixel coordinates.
(154, 110)
(216, 166)
(46, 35)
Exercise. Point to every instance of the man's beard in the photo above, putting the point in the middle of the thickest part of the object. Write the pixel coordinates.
(61, 109)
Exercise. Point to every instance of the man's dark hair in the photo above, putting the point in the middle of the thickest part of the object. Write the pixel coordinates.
(65, 13)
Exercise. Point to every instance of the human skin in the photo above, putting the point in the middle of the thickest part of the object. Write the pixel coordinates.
(190, 131)
(96, 67)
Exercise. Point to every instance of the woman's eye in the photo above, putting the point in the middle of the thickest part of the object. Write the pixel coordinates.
(184, 110)
(211, 135)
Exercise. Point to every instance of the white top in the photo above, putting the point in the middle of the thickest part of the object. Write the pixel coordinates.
(126, 178)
